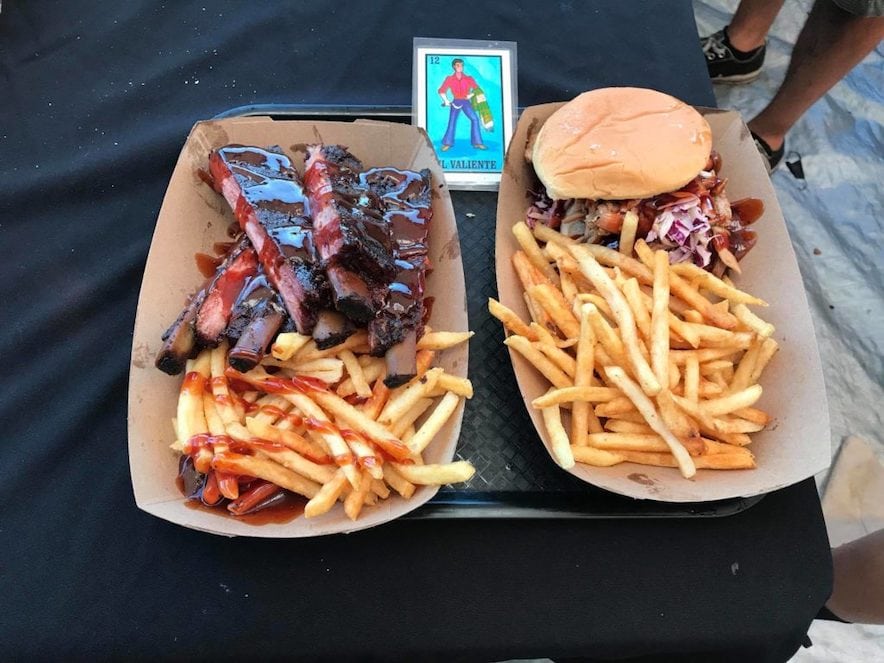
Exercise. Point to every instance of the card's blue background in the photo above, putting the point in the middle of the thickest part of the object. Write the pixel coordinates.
(487, 72)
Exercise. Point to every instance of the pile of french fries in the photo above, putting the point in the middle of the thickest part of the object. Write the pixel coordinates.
(649, 362)
(320, 423)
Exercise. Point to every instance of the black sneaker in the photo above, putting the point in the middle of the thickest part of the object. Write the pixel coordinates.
(726, 64)
(772, 156)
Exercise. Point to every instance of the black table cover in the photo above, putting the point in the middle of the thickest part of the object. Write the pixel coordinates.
(96, 99)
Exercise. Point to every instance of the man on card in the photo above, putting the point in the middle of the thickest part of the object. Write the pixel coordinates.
(461, 86)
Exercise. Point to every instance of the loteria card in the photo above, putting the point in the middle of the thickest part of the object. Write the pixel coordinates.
(465, 99)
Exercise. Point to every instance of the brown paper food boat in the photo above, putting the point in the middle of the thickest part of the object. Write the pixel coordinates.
(796, 444)
(192, 218)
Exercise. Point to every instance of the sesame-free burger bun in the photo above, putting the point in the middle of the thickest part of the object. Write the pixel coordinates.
(621, 142)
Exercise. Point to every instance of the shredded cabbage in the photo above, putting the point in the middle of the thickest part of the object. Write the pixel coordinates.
(685, 230)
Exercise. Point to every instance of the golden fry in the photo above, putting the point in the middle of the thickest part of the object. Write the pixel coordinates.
(529, 245)
(436, 475)
(576, 394)
(537, 359)
(660, 318)
(509, 319)
(561, 446)
(598, 457)
(354, 370)
(551, 300)
(287, 344)
(268, 470)
(327, 496)
(627, 232)
(623, 315)
(434, 423)
(646, 409)
(442, 340)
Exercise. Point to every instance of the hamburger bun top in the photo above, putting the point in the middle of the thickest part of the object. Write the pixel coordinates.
(621, 142)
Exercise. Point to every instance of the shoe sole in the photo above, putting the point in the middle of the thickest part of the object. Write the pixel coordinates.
(737, 79)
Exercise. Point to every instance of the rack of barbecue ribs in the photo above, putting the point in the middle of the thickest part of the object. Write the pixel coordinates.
(346, 247)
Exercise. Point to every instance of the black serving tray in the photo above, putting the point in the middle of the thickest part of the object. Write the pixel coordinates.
(515, 477)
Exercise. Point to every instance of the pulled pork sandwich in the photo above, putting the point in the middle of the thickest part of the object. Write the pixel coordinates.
(639, 157)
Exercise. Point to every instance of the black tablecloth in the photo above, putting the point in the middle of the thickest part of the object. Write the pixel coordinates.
(95, 102)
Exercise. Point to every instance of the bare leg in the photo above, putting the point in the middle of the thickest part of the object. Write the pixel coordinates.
(751, 23)
(831, 43)
(858, 594)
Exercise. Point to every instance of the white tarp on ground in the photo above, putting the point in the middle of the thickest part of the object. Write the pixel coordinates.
(835, 217)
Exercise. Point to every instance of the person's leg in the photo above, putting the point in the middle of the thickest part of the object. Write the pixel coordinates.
(858, 594)
(453, 112)
(751, 23)
(475, 131)
(831, 43)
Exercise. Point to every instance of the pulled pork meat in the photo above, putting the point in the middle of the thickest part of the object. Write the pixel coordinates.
(697, 223)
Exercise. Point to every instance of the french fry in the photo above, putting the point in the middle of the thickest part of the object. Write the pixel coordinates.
(583, 417)
(754, 415)
(623, 315)
(634, 298)
(768, 349)
(354, 370)
(599, 301)
(613, 258)
(442, 340)
(691, 378)
(568, 286)
(551, 300)
(660, 318)
(402, 422)
(294, 461)
(262, 468)
(559, 357)
(598, 457)
(309, 351)
(627, 232)
(265, 431)
(690, 296)
(356, 497)
(561, 446)
(509, 319)
(370, 371)
(529, 245)
(364, 452)
(674, 419)
(528, 274)
(399, 404)
(702, 355)
(190, 418)
(546, 234)
(621, 426)
(576, 394)
(708, 281)
(537, 359)
(733, 401)
(736, 425)
(358, 421)
(692, 316)
(327, 496)
(617, 442)
(646, 409)
(397, 482)
(287, 344)
(427, 475)
(452, 383)
(705, 462)
(434, 423)
(615, 407)
(378, 399)
(753, 322)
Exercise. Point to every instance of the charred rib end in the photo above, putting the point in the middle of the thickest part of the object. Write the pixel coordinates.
(401, 361)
